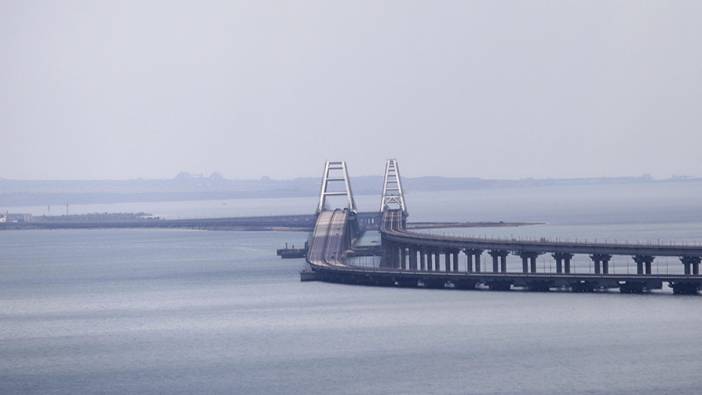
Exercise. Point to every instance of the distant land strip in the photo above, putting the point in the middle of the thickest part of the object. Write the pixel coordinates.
(188, 187)
(302, 223)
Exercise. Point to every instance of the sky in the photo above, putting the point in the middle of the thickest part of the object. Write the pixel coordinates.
(492, 89)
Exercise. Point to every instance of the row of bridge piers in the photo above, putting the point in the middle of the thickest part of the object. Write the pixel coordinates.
(429, 259)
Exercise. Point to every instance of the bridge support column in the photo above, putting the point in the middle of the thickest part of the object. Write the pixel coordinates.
(389, 251)
(605, 263)
(423, 260)
(469, 261)
(643, 264)
(430, 262)
(413, 258)
(499, 260)
(447, 261)
(528, 261)
(691, 265)
(454, 257)
(601, 263)
(477, 254)
(437, 261)
(562, 259)
(597, 264)
(403, 257)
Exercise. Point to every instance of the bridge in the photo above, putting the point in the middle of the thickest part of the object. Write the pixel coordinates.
(414, 259)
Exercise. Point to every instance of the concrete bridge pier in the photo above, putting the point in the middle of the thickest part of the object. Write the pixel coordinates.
(413, 258)
(469, 261)
(422, 260)
(528, 261)
(643, 264)
(503, 261)
(403, 257)
(437, 261)
(430, 264)
(562, 261)
(476, 256)
(447, 261)
(532, 262)
(691, 265)
(495, 262)
(389, 250)
(499, 260)
(454, 258)
(601, 262)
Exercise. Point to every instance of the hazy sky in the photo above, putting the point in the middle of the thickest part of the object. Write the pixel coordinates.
(505, 89)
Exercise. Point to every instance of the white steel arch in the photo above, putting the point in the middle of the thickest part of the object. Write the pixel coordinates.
(393, 194)
(335, 173)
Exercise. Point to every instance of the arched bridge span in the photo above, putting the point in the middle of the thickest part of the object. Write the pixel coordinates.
(436, 261)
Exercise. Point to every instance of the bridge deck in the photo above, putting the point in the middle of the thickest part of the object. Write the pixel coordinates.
(393, 230)
(327, 258)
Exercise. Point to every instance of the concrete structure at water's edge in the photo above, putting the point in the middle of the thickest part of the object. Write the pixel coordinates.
(413, 259)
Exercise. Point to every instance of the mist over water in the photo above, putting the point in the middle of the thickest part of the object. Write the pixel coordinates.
(184, 311)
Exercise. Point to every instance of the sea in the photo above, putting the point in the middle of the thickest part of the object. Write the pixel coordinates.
(173, 311)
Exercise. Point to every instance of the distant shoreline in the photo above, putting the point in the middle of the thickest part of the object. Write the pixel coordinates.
(15, 193)
(279, 223)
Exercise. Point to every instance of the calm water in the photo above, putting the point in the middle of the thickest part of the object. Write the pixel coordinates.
(178, 311)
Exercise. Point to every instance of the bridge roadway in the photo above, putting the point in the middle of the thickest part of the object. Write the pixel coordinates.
(327, 243)
(402, 267)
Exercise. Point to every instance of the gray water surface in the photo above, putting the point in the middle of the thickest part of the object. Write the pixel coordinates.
(184, 311)
(163, 311)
